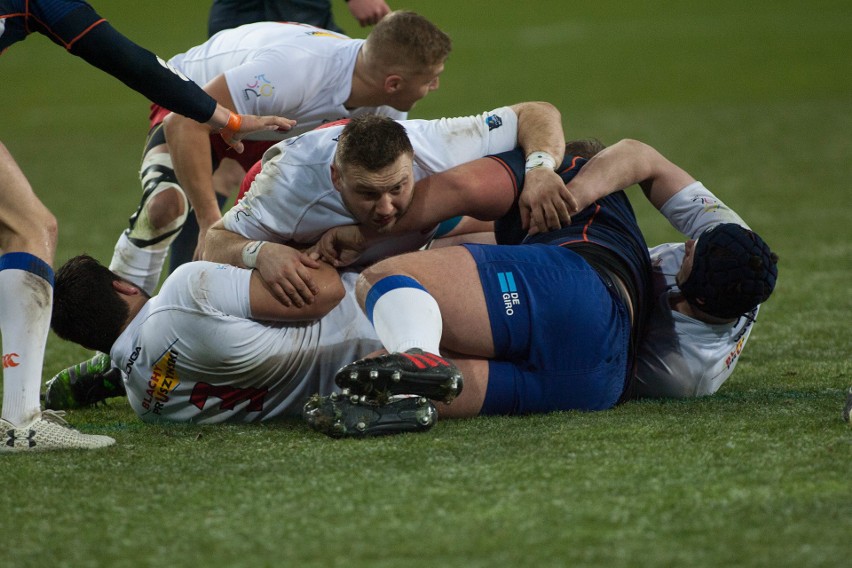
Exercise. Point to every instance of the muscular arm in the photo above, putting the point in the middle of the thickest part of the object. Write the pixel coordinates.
(626, 163)
(540, 128)
(189, 146)
(266, 306)
(108, 50)
(545, 204)
(289, 273)
(482, 188)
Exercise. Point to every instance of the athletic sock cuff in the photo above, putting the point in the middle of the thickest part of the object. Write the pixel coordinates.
(384, 286)
(29, 263)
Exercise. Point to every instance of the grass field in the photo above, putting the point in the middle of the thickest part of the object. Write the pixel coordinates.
(753, 98)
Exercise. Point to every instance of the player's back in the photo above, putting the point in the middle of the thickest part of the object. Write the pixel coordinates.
(233, 47)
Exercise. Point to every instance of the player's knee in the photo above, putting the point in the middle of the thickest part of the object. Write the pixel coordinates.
(165, 207)
(50, 230)
(37, 233)
(373, 274)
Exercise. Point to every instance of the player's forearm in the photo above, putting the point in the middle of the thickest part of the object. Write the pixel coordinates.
(107, 49)
(623, 164)
(540, 129)
(189, 146)
(224, 246)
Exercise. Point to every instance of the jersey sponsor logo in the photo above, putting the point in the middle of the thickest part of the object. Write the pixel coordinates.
(729, 360)
(261, 87)
(9, 360)
(164, 379)
(708, 204)
(493, 121)
(741, 339)
(132, 360)
(230, 396)
(510, 292)
(323, 34)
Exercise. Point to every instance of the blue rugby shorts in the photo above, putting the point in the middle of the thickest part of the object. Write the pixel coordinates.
(561, 337)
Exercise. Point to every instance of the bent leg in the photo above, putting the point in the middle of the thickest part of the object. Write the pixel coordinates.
(449, 276)
(142, 248)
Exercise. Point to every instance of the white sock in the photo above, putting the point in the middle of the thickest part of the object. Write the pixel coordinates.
(142, 266)
(404, 315)
(26, 300)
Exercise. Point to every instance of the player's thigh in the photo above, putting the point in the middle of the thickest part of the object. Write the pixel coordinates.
(451, 277)
(26, 225)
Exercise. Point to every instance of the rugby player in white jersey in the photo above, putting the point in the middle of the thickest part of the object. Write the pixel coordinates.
(701, 358)
(213, 345)
(707, 301)
(310, 75)
(323, 179)
(289, 70)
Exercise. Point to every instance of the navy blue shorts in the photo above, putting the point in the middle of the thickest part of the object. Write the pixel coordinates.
(561, 337)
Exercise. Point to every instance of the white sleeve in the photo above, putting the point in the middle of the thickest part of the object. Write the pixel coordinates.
(218, 288)
(448, 142)
(694, 209)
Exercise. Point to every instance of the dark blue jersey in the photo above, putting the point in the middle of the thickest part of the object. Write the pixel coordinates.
(63, 21)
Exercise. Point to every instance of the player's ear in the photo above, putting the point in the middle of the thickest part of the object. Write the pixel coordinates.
(393, 83)
(125, 288)
(335, 177)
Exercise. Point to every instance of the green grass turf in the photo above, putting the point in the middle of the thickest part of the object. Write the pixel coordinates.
(753, 98)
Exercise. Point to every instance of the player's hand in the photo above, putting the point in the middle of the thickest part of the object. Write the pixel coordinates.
(545, 203)
(339, 246)
(285, 271)
(368, 12)
(250, 123)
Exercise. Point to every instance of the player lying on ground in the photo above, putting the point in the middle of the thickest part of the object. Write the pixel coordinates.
(661, 170)
(697, 331)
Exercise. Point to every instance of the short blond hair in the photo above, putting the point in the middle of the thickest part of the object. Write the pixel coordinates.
(407, 39)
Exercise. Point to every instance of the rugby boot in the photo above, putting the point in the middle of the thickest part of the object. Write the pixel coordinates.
(48, 431)
(345, 415)
(84, 384)
(412, 372)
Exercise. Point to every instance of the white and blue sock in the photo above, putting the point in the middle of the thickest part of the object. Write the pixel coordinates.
(26, 301)
(404, 315)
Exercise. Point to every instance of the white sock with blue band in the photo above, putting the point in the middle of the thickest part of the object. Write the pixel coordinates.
(404, 315)
(26, 300)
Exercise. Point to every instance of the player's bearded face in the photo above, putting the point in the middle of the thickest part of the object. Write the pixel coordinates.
(377, 199)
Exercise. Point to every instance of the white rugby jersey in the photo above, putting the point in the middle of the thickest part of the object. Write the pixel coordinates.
(193, 355)
(282, 69)
(292, 199)
(680, 356)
